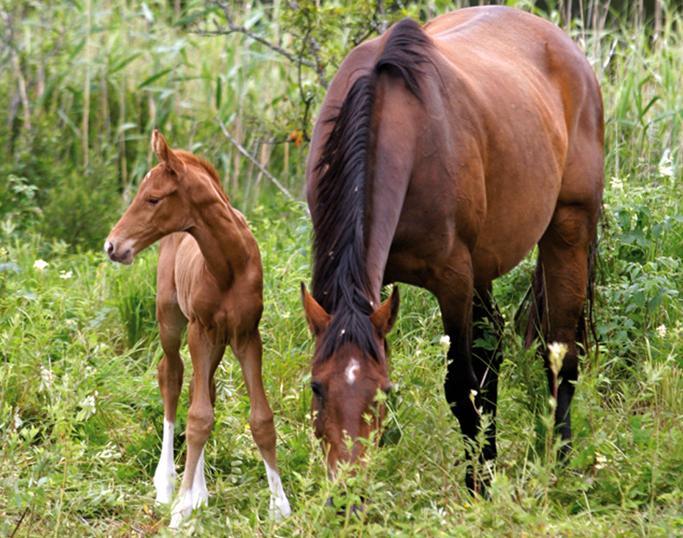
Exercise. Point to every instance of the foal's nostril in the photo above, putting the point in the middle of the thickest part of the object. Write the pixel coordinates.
(108, 247)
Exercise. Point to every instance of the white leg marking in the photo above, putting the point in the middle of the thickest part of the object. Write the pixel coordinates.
(351, 370)
(192, 498)
(200, 495)
(164, 476)
(279, 505)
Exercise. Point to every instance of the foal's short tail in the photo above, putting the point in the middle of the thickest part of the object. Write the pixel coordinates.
(536, 298)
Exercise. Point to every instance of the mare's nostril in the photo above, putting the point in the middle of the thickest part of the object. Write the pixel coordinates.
(108, 247)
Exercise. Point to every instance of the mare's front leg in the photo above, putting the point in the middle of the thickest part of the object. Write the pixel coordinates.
(486, 359)
(454, 291)
(248, 350)
(206, 348)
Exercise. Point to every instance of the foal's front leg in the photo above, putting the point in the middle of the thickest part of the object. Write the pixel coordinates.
(170, 377)
(206, 349)
(248, 351)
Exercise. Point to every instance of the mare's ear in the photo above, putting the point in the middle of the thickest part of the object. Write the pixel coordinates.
(165, 154)
(384, 317)
(317, 318)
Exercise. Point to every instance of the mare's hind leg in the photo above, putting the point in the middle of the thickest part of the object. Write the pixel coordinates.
(563, 252)
(170, 378)
(206, 348)
(248, 351)
(486, 359)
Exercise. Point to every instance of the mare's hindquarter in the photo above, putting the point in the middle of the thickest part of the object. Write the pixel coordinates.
(509, 125)
(513, 128)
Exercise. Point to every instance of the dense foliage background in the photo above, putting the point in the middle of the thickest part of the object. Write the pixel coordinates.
(83, 82)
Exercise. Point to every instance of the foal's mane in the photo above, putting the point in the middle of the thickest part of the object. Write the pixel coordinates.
(340, 280)
(191, 158)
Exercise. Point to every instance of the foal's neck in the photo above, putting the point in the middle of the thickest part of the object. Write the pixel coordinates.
(218, 230)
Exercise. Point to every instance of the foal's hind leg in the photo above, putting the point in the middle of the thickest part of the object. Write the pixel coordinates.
(248, 351)
(170, 377)
(564, 251)
(206, 349)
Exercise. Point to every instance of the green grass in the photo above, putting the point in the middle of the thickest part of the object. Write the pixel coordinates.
(80, 413)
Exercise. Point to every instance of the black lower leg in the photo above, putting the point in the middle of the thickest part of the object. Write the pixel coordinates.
(562, 388)
(486, 360)
(459, 384)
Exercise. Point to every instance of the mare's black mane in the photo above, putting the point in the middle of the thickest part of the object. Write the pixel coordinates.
(340, 279)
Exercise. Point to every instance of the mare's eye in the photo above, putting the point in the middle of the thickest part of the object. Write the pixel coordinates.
(153, 201)
(317, 389)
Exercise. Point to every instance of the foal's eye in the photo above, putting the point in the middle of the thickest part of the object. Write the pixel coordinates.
(153, 201)
(317, 389)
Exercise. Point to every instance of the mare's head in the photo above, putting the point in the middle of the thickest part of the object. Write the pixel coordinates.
(160, 207)
(350, 368)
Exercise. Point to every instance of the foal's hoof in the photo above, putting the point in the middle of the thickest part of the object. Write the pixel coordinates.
(164, 486)
(279, 508)
(187, 501)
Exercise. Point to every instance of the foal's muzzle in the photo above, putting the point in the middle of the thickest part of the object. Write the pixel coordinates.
(119, 251)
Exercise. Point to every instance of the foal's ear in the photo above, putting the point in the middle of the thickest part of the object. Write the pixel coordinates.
(317, 318)
(384, 317)
(165, 154)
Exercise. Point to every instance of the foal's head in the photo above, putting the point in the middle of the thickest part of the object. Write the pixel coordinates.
(346, 379)
(160, 207)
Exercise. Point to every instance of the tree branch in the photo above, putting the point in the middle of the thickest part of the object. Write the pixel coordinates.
(255, 161)
(233, 28)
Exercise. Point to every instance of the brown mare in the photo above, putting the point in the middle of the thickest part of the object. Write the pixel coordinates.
(441, 156)
(210, 276)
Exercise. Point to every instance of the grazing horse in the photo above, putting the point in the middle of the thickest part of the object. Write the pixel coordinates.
(210, 276)
(442, 155)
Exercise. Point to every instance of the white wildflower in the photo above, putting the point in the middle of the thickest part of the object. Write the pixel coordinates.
(445, 342)
(600, 461)
(46, 379)
(17, 420)
(88, 406)
(661, 330)
(65, 275)
(109, 452)
(557, 352)
(617, 184)
(666, 164)
(40, 265)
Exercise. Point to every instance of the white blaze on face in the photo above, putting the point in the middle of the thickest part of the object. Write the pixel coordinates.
(351, 371)
(147, 176)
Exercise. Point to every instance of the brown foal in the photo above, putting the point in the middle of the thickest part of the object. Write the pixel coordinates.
(442, 155)
(209, 274)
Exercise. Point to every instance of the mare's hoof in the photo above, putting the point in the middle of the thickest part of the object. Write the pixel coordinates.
(481, 485)
(355, 509)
